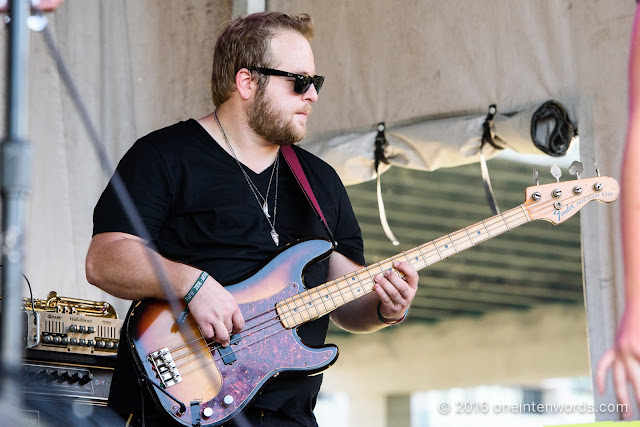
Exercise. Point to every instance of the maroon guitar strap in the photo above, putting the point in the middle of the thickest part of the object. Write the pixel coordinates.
(294, 164)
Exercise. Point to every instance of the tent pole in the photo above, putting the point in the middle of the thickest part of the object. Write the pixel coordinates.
(15, 161)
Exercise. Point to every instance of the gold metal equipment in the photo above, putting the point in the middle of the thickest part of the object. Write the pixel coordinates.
(58, 304)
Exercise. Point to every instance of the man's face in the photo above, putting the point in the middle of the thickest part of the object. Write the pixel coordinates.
(277, 113)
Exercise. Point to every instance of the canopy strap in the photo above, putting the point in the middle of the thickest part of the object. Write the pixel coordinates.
(379, 156)
(487, 138)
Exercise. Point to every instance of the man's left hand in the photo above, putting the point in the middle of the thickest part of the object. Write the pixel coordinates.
(396, 293)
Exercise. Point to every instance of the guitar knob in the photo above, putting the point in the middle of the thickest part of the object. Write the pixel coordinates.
(228, 400)
(42, 374)
(88, 376)
(207, 412)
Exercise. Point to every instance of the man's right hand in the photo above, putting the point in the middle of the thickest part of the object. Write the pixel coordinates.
(216, 312)
(120, 264)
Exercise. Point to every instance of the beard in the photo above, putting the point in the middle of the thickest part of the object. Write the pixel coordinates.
(270, 123)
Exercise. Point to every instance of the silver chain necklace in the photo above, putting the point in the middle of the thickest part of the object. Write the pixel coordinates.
(256, 193)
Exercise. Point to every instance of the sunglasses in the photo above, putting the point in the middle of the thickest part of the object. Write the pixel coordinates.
(301, 83)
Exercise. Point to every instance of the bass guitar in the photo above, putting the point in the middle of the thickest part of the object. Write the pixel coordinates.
(195, 380)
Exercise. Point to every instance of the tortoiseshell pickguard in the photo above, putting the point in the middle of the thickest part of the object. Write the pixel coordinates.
(263, 354)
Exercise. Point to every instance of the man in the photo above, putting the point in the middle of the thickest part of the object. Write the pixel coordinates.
(624, 356)
(215, 200)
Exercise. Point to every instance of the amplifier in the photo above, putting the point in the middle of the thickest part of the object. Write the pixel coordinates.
(71, 325)
(60, 380)
(66, 389)
(71, 346)
(72, 333)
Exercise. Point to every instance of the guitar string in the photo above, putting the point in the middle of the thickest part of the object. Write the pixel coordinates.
(238, 337)
(452, 238)
(265, 324)
(214, 359)
(513, 213)
(209, 346)
(238, 349)
(314, 300)
(205, 354)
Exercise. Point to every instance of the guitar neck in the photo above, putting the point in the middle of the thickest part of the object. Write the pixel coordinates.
(323, 299)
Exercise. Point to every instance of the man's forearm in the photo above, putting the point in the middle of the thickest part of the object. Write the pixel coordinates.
(359, 316)
(123, 267)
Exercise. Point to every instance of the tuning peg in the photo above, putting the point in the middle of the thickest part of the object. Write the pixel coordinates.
(596, 166)
(535, 176)
(576, 168)
(556, 172)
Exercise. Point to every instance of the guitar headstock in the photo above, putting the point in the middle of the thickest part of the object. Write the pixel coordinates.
(559, 201)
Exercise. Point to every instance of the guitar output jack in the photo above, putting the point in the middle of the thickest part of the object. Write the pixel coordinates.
(175, 408)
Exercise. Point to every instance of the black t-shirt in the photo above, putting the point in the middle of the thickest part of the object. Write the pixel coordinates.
(199, 210)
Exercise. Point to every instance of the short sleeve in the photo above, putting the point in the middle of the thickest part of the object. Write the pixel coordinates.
(347, 232)
(148, 182)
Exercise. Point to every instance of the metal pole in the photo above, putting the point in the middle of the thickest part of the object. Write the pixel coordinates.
(15, 162)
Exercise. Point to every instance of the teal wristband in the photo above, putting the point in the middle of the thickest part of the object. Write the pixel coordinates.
(192, 293)
(387, 321)
(196, 287)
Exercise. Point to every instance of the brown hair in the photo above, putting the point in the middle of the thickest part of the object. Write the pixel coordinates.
(245, 42)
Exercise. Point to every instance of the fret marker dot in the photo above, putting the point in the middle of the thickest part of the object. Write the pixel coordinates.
(446, 246)
(478, 232)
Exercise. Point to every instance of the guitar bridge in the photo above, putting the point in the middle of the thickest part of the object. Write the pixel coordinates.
(165, 367)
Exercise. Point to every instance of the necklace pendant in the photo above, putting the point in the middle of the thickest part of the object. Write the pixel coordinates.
(265, 209)
(275, 236)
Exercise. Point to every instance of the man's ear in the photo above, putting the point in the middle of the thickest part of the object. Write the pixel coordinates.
(244, 83)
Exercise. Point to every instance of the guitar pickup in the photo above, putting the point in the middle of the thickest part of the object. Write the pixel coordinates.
(227, 354)
(166, 369)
